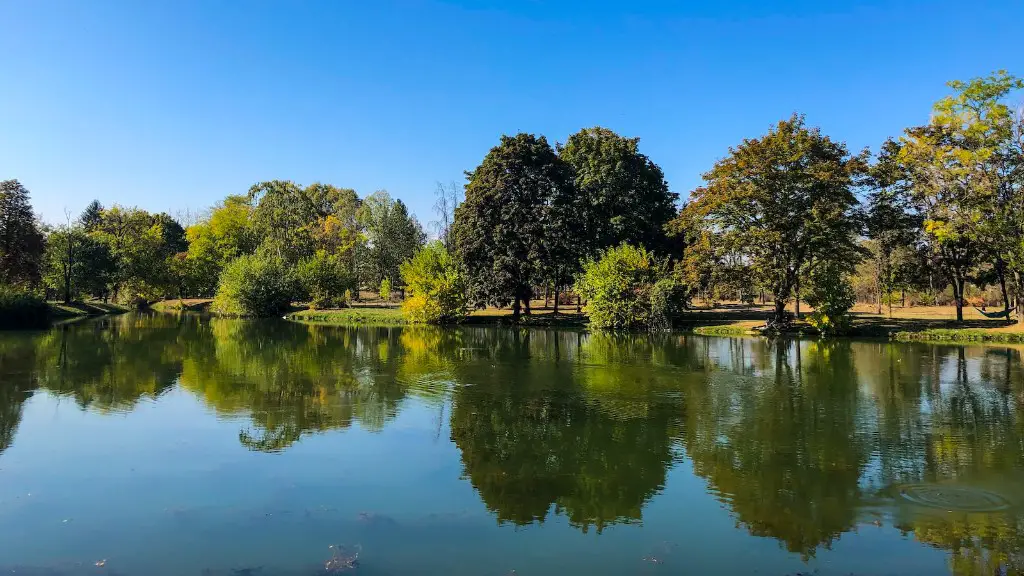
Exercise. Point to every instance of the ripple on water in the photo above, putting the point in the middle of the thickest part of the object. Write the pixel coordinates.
(954, 498)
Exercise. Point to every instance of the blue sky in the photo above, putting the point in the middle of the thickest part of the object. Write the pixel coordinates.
(173, 105)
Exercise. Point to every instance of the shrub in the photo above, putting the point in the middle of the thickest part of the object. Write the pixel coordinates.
(435, 285)
(324, 279)
(385, 289)
(256, 285)
(20, 308)
(628, 288)
(832, 296)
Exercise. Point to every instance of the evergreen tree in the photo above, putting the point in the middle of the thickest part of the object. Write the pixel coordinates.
(21, 241)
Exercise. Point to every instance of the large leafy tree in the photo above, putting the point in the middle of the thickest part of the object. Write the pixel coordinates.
(966, 178)
(786, 202)
(626, 196)
(892, 223)
(21, 241)
(76, 263)
(392, 237)
(501, 228)
(295, 222)
(215, 241)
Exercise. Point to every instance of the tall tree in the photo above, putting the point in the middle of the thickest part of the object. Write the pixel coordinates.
(76, 263)
(626, 195)
(21, 241)
(500, 229)
(295, 222)
(444, 207)
(786, 202)
(393, 236)
(891, 221)
(92, 216)
(965, 178)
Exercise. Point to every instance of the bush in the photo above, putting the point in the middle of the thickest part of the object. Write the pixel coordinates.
(628, 288)
(832, 296)
(324, 279)
(385, 289)
(435, 285)
(20, 308)
(256, 285)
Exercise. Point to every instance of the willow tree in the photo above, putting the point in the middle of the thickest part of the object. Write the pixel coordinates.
(786, 202)
(967, 179)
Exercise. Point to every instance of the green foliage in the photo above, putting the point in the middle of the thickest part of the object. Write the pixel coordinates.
(502, 229)
(325, 279)
(385, 290)
(76, 263)
(625, 198)
(21, 307)
(832, 297)
(628, 288)
(781, 202)
(294, 222)
(392, 237)
(965, 166)
(435, 285)
(255, 285)
(21, 242)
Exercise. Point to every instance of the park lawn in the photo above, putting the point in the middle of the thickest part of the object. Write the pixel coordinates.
(355, 316)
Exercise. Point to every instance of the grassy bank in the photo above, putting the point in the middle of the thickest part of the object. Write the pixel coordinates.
(360, 316)
(961, 335)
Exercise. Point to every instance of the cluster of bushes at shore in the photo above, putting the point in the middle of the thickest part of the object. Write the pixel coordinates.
(790, 215)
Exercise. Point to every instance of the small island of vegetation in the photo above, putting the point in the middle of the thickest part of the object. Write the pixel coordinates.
(588, 230)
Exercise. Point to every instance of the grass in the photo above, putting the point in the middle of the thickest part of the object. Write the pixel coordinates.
(734, 328)
(356, 316)
(961, 335)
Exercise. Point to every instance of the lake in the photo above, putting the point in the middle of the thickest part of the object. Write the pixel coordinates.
(162, 444)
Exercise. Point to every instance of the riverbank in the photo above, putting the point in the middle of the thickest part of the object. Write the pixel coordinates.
(61, 311)
(933, 323)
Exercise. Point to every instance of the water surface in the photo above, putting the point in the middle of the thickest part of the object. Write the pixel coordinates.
(165, 444)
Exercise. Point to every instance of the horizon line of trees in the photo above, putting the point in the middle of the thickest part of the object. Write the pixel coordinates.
(790, 215)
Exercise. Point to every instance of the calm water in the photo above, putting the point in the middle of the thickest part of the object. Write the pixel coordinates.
(159, 445)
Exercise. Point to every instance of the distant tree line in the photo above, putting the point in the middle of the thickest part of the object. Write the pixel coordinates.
(789, 215)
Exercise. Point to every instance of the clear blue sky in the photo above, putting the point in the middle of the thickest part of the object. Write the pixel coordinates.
(175, 104)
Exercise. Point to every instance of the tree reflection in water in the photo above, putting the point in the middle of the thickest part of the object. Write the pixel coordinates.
(801, 440)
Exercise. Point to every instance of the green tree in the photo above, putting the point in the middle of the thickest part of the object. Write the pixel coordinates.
(21, 241)
(67, 262)
(392, 237)
(966, 178)
(91, 218)
(436, 286)
(295, 222)
(325, 278)
(628, 287)
(784, 201)
(217, 240)
(890, 220)
(501, 229)
(255, 285)
(625, 195)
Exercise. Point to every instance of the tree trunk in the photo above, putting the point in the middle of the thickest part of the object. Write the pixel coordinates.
(579, 308)
(1020, 289)
(1001, 271)
(547, 297)
(555, 312)
(780, 308)
(526, 301)
(903, 297)
(958, 297)
(798, 296)
(515, 310)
